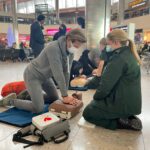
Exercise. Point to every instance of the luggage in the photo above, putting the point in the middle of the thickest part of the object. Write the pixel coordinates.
(47, 127)
(65, 111)
(13, 87)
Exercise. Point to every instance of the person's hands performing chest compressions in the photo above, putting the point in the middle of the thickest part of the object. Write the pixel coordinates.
(70, 100)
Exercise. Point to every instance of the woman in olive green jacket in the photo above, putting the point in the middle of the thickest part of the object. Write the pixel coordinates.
(118, 96)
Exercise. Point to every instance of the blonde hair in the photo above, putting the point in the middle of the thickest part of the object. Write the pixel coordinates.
(103, 41)
(121, 36)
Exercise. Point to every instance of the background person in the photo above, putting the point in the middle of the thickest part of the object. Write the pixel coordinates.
(36, 36)
(62, 32)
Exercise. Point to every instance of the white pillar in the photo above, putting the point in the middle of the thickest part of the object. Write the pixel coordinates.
(97, 21)
(15, 23)
(97, 25)
(57, 9)
(121, 8)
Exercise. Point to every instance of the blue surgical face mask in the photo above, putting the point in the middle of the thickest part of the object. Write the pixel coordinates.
(108, 48)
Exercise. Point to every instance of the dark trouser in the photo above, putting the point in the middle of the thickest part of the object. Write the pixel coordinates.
(22, 54)
(99, 117)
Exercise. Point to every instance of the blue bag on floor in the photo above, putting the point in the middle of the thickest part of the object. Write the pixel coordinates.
(18, 117)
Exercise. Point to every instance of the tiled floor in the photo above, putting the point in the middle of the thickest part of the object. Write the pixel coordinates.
(82, 138)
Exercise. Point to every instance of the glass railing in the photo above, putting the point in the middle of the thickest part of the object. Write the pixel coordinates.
(49, 20)
(8, 19)
(128, 14)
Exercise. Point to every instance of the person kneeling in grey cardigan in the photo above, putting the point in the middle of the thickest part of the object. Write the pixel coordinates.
(54, 61)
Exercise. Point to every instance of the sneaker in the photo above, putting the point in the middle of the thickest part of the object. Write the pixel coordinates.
(131, 123)
(5, 101)
(23, 95)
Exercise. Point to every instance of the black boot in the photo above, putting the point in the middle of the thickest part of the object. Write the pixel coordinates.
(131, 123)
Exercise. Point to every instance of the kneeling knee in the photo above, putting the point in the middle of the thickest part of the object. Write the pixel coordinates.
(86, 113)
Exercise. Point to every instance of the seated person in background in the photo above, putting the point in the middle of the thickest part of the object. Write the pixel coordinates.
(106, 52)
(118, 97)
(88, 65)
(14, 45)
(22, 54)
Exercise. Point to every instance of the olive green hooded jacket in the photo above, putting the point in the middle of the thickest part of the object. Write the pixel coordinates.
(119, 90)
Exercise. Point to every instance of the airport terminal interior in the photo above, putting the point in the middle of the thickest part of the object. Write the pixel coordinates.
(84, 23)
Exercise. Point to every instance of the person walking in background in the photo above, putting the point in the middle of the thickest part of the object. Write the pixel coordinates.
(62, 32)
(36, 36)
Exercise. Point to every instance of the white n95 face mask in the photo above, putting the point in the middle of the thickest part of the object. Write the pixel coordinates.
(72, 49)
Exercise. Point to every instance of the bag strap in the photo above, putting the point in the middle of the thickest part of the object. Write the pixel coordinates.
(39, 142)
(63, 137)
(18, 137)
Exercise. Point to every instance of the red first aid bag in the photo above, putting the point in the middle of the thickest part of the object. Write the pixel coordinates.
(13, 87)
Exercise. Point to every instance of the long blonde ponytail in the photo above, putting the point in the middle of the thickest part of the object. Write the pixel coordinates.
(134, 51)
